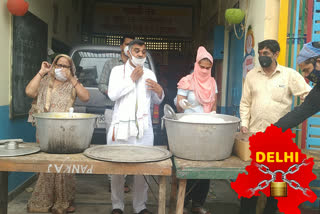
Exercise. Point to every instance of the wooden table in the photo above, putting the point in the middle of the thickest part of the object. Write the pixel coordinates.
(79, 164)
(225, 169)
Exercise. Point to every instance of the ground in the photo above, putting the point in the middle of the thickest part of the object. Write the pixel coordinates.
(92, 197)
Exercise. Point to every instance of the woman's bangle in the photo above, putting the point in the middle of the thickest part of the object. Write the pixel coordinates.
(76, 84)
(40, 74)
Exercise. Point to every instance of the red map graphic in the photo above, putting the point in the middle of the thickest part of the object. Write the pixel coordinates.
(274, 140)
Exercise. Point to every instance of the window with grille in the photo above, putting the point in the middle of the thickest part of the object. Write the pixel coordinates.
(152, 43)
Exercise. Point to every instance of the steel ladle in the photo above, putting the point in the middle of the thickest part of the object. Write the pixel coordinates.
(169, 112)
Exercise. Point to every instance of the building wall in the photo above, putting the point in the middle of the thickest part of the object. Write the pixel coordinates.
(5, 53)
(10, 128)
(42, 9)
(66, 10)
(255, 17)
(212, 14)
(261, 15)
(20, 128)
(272, 11)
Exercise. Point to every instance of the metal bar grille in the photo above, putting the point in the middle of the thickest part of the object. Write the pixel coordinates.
(183, 46)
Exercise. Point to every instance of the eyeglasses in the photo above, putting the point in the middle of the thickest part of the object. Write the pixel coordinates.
(62, 66)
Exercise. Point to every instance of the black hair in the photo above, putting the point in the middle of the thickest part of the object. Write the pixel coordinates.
(206, 59)
(136, 42)
(125, 37)
(271, 44)
(316, 44)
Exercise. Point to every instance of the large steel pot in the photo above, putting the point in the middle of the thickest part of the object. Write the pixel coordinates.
(59, 133)
(202, 140)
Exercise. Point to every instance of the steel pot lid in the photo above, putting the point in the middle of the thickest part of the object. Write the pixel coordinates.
(125, 153)
(16, 147)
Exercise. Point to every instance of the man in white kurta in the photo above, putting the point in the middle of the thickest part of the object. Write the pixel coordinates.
(133, 88)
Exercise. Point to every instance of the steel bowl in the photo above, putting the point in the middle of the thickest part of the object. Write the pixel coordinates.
(61, 134)
(202, 140)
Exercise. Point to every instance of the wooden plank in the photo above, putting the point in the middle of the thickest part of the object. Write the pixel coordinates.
(181, 195)
(224, 174)
(314, 121)
(314, 131)
(315, 154)
(80, 164)
(162, 195)
(312, 141)
(173, 194)
(210, 174)
(3, 192)
(224, 169)
(83, 167)
(309, 22)
(304, 135)
(231, 162)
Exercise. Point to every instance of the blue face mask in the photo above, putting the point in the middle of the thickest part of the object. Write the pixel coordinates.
(314, 76)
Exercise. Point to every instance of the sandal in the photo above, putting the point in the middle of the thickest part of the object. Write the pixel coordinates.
(71, 209)
(199, 210)
(145, 211)
(58, 211)
(117, 211)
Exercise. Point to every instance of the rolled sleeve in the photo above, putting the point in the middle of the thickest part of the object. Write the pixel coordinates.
(298, 85)
(309, 107)
(156, 99)
(182, 92)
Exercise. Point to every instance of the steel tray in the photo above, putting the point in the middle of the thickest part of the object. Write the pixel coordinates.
(127, 153)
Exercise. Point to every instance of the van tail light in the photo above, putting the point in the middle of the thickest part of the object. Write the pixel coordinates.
(155, 117)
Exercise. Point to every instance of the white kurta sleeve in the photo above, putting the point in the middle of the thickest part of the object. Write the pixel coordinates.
(154, 97)
(118, 85)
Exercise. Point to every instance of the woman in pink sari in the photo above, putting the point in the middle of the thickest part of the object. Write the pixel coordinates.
(197, 92)
(54, 89)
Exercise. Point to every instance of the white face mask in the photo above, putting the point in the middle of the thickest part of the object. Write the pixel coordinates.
(59, 75)
(137, 61)
(125, 50)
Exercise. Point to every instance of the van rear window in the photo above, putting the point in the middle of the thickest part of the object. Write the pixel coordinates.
(89, 65)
